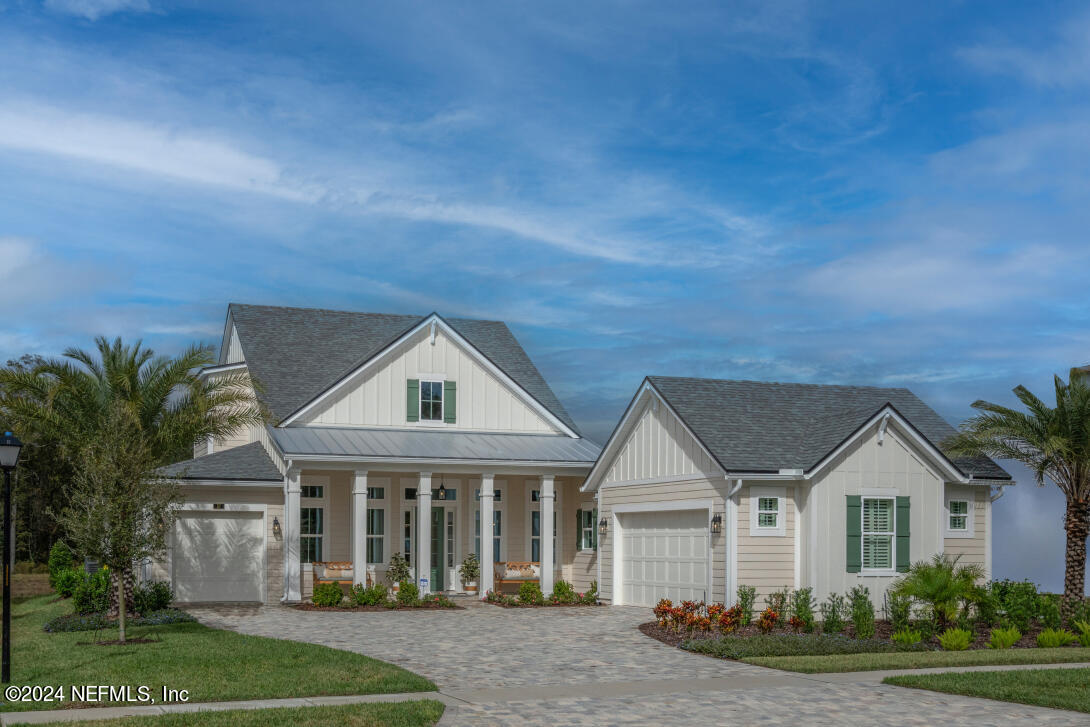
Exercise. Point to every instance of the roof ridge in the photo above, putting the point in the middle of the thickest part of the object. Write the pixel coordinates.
(779, 383)
(310, 309)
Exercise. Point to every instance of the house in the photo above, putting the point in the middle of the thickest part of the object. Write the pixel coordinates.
(708, 484)
(388, 434)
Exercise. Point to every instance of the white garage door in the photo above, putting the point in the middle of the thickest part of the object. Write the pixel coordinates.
(218, 556)
(665, 555)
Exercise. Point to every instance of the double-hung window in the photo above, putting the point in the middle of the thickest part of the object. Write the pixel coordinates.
(878, 532)
(767, 516)
(376, 525)
(535, 527)
(587, 530)
(959, 515)
(768, 512)
(311, 533)
(497, 525)
(431, 401)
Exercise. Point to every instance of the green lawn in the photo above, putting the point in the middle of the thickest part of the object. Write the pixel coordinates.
(397, 714)
(213, 665)
(1059, 688)
(920, 659)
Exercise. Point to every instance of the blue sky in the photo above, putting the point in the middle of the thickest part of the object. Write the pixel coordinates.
(775, 191)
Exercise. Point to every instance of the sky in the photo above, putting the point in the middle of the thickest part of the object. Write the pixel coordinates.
(861, 193)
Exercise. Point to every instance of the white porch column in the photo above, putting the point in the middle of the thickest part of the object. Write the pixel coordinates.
(548, 497)
(292, 580)
(423, 527)
(488, 491)
(359, 527)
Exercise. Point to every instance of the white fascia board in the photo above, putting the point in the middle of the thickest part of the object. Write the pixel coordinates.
(230, 483)
(436, 320)
(225, 339)
(209, 370)
(438, 462)
(889, 413)
(623, 429)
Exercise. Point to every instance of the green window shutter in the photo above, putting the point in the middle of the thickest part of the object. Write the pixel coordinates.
(902, 535)
(578, 530)
(594, 529)
(412, 400)
(854, 530)
(450, 401)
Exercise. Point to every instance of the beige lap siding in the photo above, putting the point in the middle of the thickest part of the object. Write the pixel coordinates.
(969, 550)
(580, 567)
(664, 492)
(766, 561)
(273, 500)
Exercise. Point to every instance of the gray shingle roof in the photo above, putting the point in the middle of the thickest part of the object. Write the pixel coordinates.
(248, 462)
(756, 426)
(297, 353)
(433, 445)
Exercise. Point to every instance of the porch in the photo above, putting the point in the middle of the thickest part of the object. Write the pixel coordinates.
(433, 519)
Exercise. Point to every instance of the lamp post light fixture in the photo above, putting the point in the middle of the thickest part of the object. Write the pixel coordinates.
(717, 523)
(9, 458)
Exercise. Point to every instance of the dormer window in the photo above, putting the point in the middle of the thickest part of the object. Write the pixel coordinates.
(431, 401)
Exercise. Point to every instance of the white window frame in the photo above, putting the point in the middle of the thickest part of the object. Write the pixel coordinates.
(498, 554)
(368, 537)
(969, 530)
(431, 379)
(314, 502)
(587, 532)
(892, 569)
(531, 507)
(755, 495)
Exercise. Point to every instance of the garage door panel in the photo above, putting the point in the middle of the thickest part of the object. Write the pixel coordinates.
(218, 556)
(665, 555)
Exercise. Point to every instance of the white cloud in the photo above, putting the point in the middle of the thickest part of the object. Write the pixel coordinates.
(1065, 61)
(182, 155)
(95, 9)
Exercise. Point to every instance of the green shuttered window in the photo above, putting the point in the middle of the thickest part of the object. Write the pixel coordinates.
(903, 513)
(435, 401)
(450, 401)
(877, 533)
(412, 400)
(853, 528)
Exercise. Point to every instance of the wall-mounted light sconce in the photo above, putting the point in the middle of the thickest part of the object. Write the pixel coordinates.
(276, 527)
(717, 523)
(603, 526)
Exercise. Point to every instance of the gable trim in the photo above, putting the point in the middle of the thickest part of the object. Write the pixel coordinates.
(609, 451)
(433, 320)
(887, 413)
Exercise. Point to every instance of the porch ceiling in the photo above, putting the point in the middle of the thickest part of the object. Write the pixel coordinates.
(400, 444)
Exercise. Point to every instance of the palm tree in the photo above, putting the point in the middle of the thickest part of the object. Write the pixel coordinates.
(1054, 443)
(942, 584)
(76, 402)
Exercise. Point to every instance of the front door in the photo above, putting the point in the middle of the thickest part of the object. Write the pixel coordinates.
(438, 540)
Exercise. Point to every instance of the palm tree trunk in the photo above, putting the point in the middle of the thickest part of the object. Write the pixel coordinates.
(121, 608)
(1077, 525)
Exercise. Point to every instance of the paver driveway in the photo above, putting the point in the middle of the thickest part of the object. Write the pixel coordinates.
(496, 666)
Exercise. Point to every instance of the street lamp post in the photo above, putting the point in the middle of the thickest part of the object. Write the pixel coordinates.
(9, 457)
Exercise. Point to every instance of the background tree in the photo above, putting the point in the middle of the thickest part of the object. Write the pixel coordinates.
(72, 403)
(120, 509)
(1054, 443)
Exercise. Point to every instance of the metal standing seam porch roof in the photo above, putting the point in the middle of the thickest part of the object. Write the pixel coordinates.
(412, 444)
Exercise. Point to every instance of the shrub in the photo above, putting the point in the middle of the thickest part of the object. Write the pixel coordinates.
(327, 594)
(97, 621)
(398, 571)
(530, 594)
(907, 637)
(777, 600)
(729, 620)
(1053, 638)
(1048, 611)
(740, 647)
(439, 600)
(955, 639)
(60, 560)
(407, 594)
(92, 595)
(1004, 638)
(500, 598)
(562, 593)
(987, 607)
(767, 620)
(152, 596)
(940, 583)
(862, 612)
(591, 596)
(66, 582)
(899, 608)
(1081, 611)
(802, 609)
(1083, 628)
(832, 614)
(1018, 602)
(747, 596)
(374, 595)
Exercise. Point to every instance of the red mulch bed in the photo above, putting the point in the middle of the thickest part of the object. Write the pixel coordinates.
(421, 607)
(882, 630)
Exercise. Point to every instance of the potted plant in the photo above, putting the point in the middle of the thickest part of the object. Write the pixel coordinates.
(470, 571)
(398, 571)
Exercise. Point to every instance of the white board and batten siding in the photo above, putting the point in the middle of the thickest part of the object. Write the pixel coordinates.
(893, 468)
(658, 446)
(234, 348)
(377, 396)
